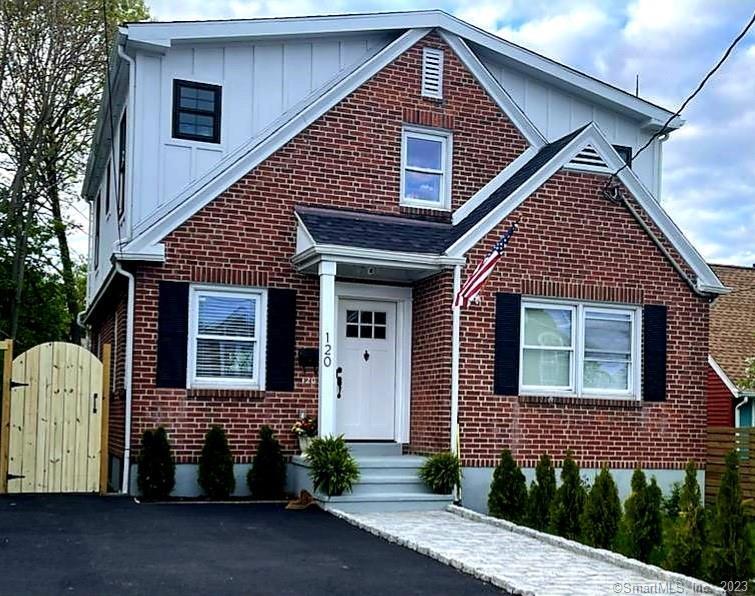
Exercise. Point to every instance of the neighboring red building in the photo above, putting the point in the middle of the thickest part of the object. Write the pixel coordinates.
(732, 342)
(310, 267)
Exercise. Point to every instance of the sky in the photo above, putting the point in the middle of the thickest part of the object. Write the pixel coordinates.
(709, 164)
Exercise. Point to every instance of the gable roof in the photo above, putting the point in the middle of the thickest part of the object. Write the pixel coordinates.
(333, 226)
(731, 337)
(158, 35)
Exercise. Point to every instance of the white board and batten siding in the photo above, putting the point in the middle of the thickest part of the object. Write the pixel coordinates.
(260, 81)
(557, 112)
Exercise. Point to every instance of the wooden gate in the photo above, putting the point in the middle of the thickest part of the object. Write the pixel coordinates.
(54, 412)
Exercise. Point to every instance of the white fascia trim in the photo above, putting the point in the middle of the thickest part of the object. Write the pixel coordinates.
(369, 256)
(733, 389)
(206, 189)
(493, 88)
(163, 35)
(481, 195)
(706, 279)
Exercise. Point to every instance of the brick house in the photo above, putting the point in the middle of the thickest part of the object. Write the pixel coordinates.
(283, 209)
(732, 342)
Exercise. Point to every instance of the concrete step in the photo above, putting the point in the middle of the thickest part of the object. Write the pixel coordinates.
(376, 485)
(386, 502)
(374, 449)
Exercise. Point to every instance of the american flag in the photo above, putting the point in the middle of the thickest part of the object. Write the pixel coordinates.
(471, 288)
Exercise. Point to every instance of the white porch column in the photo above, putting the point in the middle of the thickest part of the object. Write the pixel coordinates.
(327, 377)
(455, 340)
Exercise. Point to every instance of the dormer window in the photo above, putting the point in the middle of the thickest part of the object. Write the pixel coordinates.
(196, 111)
(426, 168)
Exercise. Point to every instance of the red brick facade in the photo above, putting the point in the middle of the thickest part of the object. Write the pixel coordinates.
(348, 158)
(573, 243)
(720, 401)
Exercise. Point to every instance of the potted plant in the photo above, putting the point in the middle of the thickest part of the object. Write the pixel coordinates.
(332, 467)
(305, 429)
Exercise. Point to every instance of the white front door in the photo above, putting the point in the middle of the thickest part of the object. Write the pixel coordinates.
(366, 368)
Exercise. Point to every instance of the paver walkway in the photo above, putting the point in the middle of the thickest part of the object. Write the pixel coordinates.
(520, 563)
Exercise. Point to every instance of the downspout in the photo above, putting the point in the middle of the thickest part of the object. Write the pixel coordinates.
(130, 128)
(128, 357)
(745, 400)
(455, 351)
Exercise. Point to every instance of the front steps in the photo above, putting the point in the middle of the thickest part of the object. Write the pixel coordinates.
(389, 481)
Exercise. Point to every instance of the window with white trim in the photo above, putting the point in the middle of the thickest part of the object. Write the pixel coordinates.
(426, 168)
(579, 349)
(226, 338)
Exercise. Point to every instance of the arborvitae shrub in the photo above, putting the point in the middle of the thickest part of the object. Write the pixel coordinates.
(508, 490)
(687, 538)
(642, 517)
(602, 513)
(731, 553)
(441, 472)
(156, 475)
(267, 476)
(542, 491)
(569, 501)
(216, 465)
(671, 503)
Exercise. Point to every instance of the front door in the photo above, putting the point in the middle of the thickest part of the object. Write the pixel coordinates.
(366, 369)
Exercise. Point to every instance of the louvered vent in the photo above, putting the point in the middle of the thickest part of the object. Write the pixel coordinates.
(432, 73)
(588, 158)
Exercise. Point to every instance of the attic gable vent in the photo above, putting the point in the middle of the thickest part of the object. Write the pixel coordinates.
(588, 159)
(432, 73)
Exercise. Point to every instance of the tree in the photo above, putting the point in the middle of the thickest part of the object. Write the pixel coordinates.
(267, 476)
(642, 517)
(731, 552)
(52, 66)
(569, 501)
(216, 465)
(508, 491)
(602, 513)
(688, 531)
(542, 491)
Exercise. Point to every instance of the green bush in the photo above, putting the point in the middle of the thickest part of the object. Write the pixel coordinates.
(331, 466)
(731, 548)
(687, 534)
(441, 473)
(267, 476)
(156, 475)
(542, 491)
(216, 465)
(642, 518)
(508, 490)
(671, 503)
(602, 514)
(569, 501)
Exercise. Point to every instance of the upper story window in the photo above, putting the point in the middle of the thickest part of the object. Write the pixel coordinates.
(426, 168)
(108, 182)
(122, 139)
(226, 345)
(97, 214)
(196, 111)
(579, 349)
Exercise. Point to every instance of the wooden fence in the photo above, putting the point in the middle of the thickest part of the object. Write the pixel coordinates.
(721, 440)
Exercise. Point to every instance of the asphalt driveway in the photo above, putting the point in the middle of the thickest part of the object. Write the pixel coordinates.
(112, 545)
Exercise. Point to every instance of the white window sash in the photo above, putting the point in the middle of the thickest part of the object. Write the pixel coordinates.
(580, 313)
(258, 340)
(444, 189)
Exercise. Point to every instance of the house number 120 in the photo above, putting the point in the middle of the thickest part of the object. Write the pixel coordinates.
(327, 350)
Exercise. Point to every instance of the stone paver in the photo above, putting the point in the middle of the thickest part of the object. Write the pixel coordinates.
(522, 561)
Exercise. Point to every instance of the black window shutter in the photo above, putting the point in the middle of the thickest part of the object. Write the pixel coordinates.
(654, 352)
(172, 333)
(281, 339)
(507, 317)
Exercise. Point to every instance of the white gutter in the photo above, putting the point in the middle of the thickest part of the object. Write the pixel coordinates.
(745, 400)
(455, 350)
(127, 373)
(130, 109)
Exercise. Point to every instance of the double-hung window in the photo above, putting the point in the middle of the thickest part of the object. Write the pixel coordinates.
(227, 338)
(426, 168)
(196, 111)
(579, 349)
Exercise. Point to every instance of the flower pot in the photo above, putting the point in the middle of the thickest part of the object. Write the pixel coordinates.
(304, 443)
